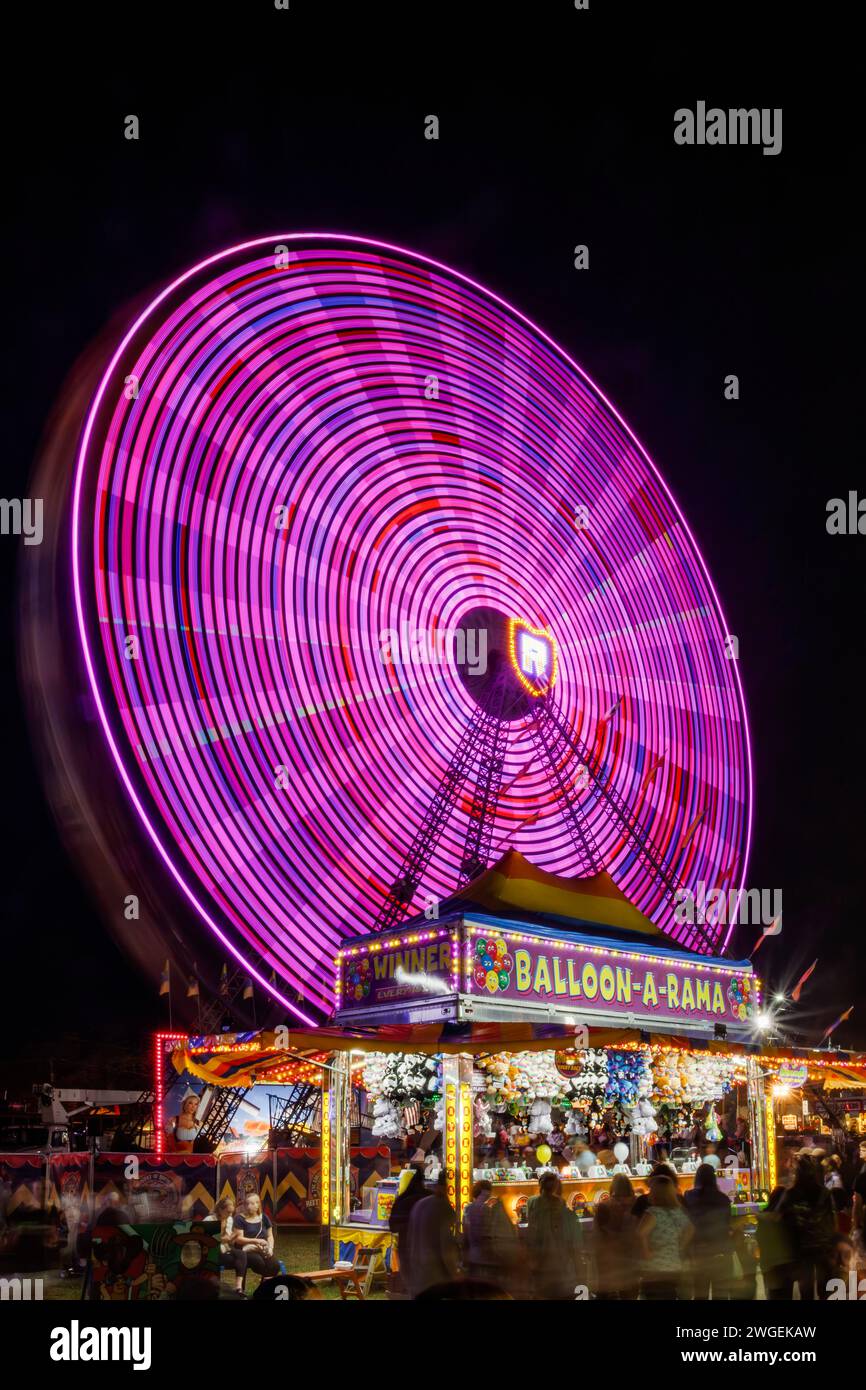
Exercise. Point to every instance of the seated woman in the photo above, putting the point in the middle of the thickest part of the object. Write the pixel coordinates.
(253, 1235)
(231, 1255)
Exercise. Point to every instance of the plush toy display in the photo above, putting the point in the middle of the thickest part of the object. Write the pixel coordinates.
(630, 1083)
(629, 1076)
(439, 1115)
(523, 1099)
(540, 1118)
(592, 1078)
(395, 1080)
(515, 1079)
(575, 1126)
(685, 1079)
(642, 1120)
(589, 1088)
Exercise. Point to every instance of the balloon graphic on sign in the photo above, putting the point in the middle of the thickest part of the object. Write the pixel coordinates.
(493, 966)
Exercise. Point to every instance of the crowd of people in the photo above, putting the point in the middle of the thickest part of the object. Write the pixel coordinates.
(661, 1244)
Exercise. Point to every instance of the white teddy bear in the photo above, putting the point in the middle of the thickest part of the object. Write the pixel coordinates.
(643, 1118)
(540, 1118)
(386, 1119)
(574, 1125)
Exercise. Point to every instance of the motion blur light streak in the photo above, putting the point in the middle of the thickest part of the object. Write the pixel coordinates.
(320, 446)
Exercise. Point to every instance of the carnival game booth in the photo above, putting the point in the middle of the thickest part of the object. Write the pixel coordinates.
(816, 1099)
(506, 1100)
(541, 1021)
(843, 1097)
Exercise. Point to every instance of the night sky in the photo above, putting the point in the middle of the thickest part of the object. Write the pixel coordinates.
(703, 262)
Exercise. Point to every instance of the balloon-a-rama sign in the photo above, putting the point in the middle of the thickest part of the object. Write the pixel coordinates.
(517, 967)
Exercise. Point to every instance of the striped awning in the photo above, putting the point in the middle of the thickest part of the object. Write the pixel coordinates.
(247, 1059)
(840, 1079)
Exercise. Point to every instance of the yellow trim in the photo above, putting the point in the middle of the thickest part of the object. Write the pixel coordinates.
(770, 1120)
(325, 1159)
(450, 1141)
(357, 1235)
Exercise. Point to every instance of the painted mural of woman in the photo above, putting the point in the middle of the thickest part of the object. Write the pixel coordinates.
(184, 1127)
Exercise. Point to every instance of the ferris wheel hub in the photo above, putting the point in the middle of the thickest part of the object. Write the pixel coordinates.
(506, 663)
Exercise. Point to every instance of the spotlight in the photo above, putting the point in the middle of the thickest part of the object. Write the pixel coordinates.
(779, 998)
(764, 1021)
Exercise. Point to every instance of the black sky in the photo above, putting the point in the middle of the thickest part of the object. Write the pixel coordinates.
(703, 262)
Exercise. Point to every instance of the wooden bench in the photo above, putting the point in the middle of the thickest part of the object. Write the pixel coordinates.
(354, 1282)
(342, 1277)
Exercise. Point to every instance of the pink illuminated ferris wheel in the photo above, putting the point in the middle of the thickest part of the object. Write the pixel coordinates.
(371, 580)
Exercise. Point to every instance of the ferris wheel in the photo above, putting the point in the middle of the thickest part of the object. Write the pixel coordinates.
(371, 581)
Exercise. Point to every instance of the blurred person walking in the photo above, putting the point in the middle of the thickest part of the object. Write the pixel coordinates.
(858, 1188)
(490, 1242)
(776, 1249)
(664, 1235)
(831, 1168)
(615, 1243)
(554, 1243)
(709, 1211)
(413, 1192)
(434, 1255)
(808, 1212)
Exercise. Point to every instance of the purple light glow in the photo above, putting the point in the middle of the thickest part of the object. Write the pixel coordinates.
(309, 387)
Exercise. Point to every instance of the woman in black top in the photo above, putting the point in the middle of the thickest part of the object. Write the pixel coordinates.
(231, 1255)
(254, 1237)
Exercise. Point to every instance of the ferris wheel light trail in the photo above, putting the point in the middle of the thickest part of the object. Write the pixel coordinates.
(330, 438)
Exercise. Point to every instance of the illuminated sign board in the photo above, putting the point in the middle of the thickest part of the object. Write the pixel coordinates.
(533, 655)
(792, 1075)
(500, 964)
(398, 969)
(593, 980)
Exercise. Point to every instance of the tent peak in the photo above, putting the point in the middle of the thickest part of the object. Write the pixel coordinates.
(514, 882)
